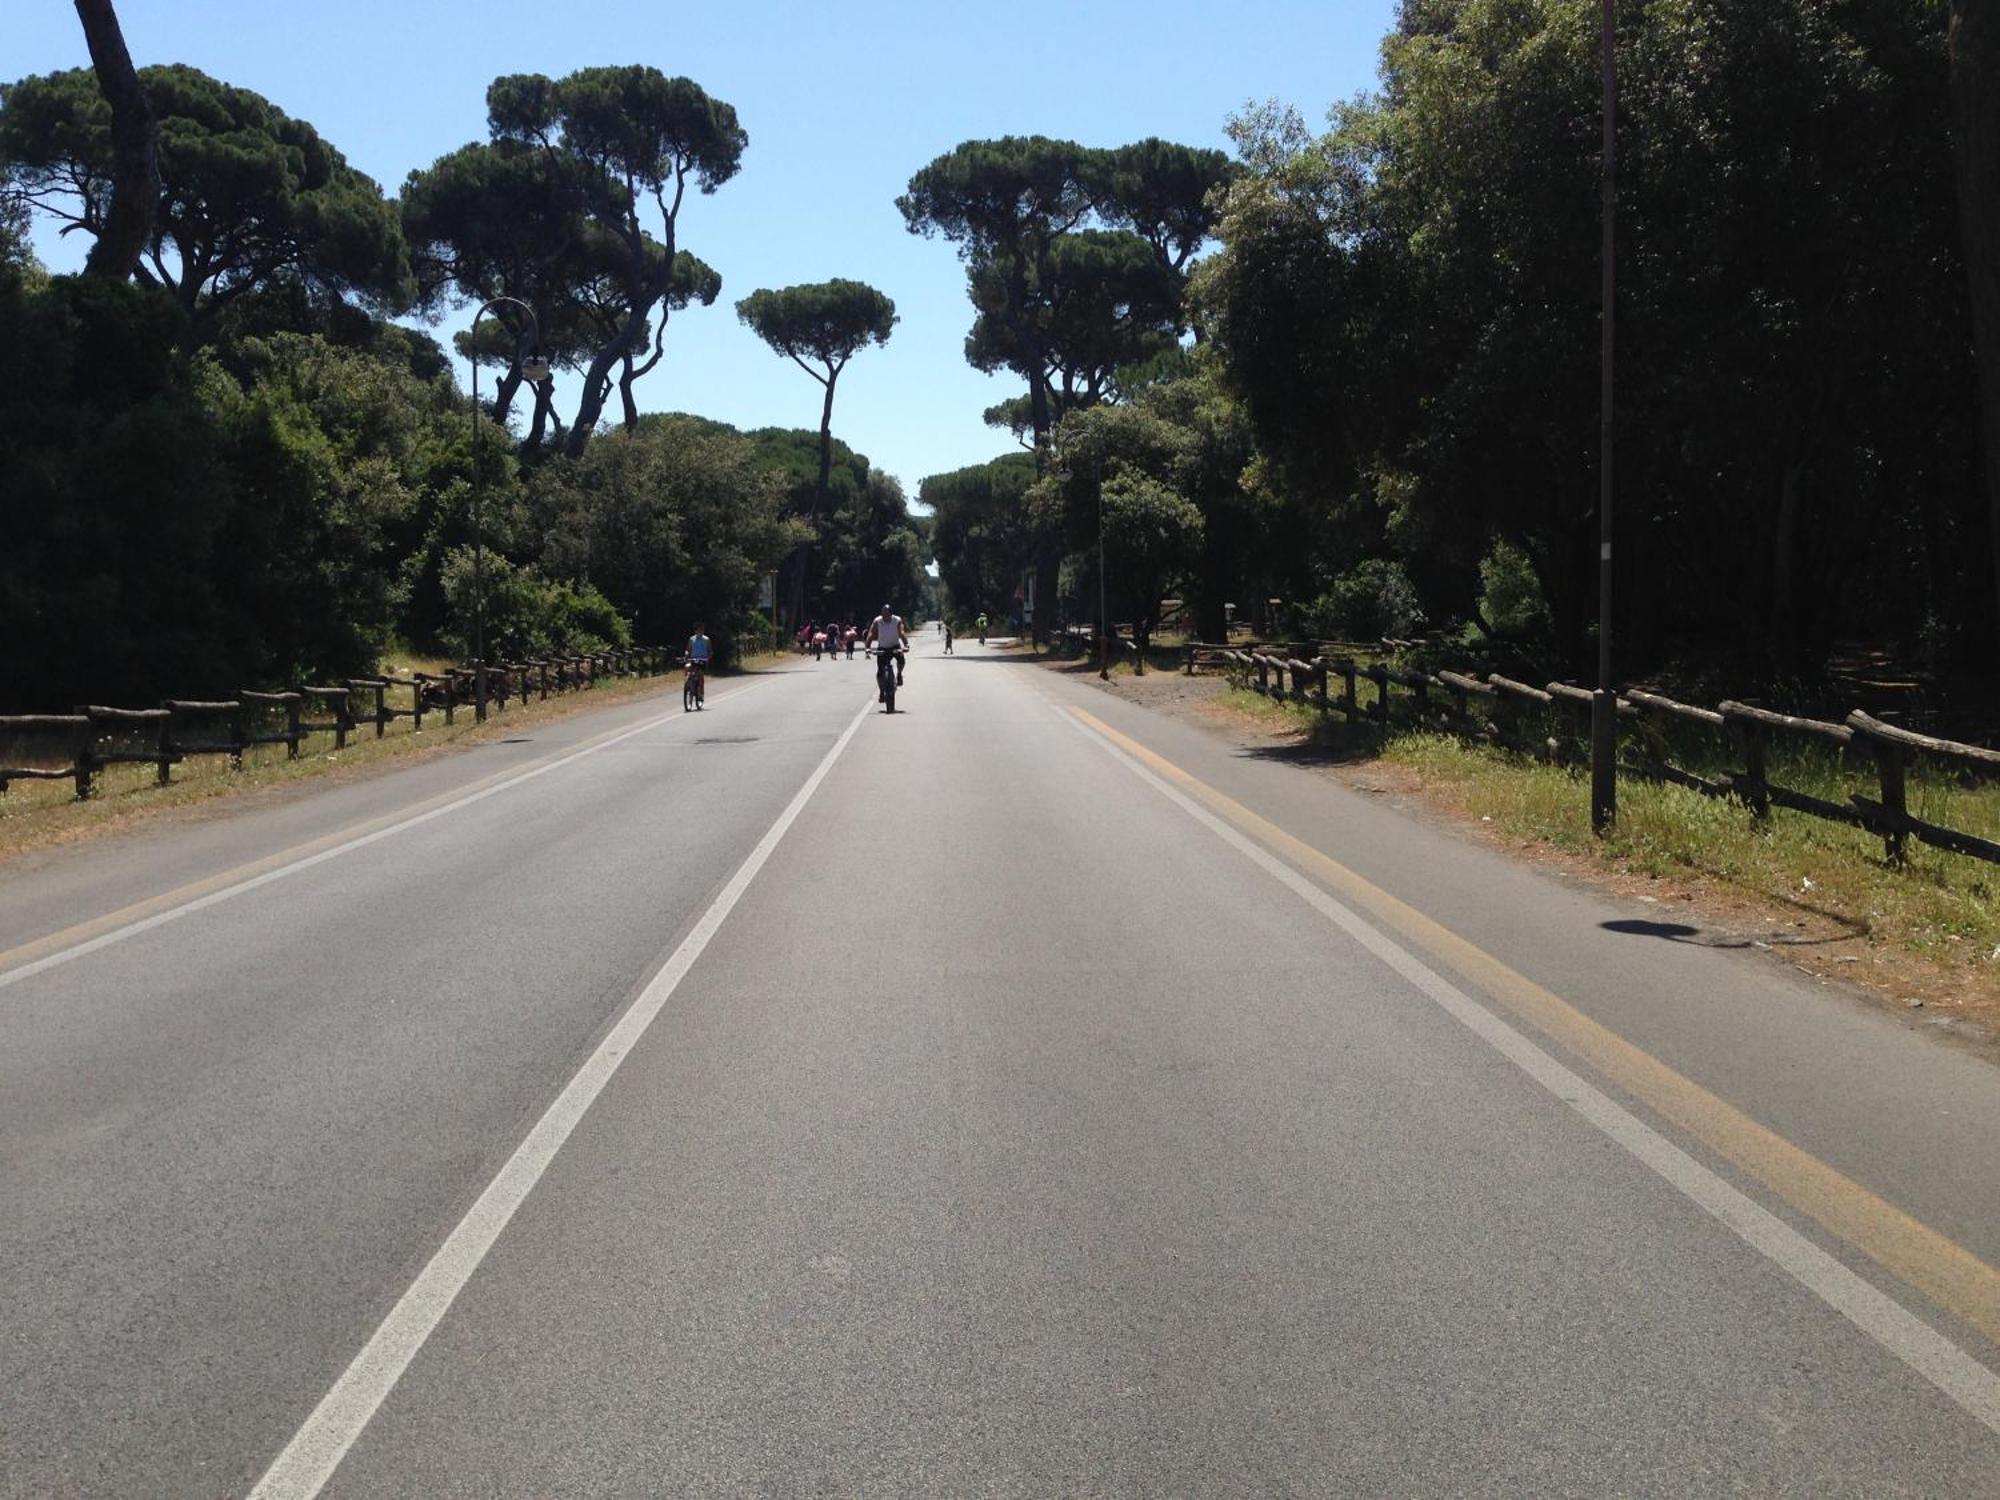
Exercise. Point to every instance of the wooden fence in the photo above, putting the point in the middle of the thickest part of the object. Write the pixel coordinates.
(1552, 722)
(78, 746)
(1081, 640)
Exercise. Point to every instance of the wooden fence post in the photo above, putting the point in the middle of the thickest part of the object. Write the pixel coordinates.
(1379, 675)
(84, 763)
(239, 734)
(1319, 682)
(294, 711)
(1754, 785)
(1890, 760)
(164, 775)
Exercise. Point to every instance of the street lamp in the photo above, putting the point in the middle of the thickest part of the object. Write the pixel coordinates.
(1604, 702)
(533, 369)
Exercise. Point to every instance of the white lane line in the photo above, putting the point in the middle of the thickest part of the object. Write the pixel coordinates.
(255, 882)
(316, 1450)
(1967, 1382)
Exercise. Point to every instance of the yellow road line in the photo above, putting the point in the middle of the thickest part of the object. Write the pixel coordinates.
(194, 890)
(1913, 1252)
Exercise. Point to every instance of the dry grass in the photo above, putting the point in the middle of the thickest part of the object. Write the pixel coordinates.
(41, 814)
(1822, 894)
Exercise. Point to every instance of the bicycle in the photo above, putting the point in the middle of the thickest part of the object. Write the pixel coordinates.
(885, 678)
(693, 686)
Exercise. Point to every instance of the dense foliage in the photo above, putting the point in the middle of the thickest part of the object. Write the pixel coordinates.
(248, 195)
(1408, 306)
(1395, 379)
(231, 471)
(818, 327)
(1074, 260)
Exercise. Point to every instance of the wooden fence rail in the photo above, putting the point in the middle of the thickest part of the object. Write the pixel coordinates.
(1551, 722)
(78, 746)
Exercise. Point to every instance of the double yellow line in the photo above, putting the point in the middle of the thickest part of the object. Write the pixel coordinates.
(1943, 1270)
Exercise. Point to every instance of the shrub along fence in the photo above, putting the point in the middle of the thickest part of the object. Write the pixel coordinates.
(1552, 723)
(78, 746)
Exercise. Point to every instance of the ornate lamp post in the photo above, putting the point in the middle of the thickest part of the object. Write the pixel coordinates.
(534, 369)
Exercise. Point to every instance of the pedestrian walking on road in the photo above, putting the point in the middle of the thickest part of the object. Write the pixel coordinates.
(947, 639)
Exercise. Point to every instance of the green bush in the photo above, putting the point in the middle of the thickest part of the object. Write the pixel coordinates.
(526, 614)
(1510, 596)
(1371, 600)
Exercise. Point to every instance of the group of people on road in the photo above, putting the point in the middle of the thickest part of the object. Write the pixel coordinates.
(824, 642)
(886, 636)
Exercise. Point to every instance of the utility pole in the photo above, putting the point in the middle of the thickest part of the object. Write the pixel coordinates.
(1604, 702)
(1103, 610)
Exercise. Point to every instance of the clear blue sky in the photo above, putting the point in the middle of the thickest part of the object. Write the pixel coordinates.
(842, 103)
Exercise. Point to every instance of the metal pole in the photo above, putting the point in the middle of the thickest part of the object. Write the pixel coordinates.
(1103, 609)
(478, 546)
(1604, 702)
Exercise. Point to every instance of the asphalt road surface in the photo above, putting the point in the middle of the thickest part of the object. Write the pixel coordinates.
(1020, 1095)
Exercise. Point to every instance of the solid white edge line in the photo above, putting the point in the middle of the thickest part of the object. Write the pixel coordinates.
(316, 1449)
(1967, 1382)
(201, 903)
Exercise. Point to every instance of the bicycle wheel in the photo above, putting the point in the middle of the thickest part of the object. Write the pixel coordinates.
(690, 694)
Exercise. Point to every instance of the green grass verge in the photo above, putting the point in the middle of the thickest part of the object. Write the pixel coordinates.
(1938, 907)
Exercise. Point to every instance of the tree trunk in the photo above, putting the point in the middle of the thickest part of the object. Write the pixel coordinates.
(625, 379)
(802, 554)
(1975, 98)
(597, 379)
(1048, 550)
(545, 406)
(825, 447)
(503, 395)
(135, 167)
(1212, 589)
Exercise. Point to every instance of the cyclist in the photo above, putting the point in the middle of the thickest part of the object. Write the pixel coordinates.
(982, 630)
(699, 652)
(887, 635)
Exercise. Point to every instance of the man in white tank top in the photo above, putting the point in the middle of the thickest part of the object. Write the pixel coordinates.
(887, 634)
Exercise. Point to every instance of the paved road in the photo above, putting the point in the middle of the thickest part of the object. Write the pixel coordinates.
(1020, 1095)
